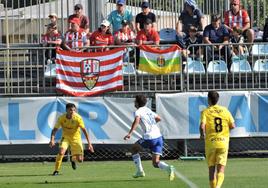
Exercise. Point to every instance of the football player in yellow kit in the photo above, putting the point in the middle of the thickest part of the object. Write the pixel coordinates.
(71, 123)
(215, 125)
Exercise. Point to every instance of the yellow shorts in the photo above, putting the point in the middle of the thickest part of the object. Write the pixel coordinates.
(76, 145)
(216, 156)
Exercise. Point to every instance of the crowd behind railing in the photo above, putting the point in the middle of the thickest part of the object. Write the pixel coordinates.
(205, 48)
(119, 28)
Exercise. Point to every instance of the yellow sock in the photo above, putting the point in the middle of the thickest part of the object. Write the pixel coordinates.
(212, 183)
(58, 162)
(220, 178)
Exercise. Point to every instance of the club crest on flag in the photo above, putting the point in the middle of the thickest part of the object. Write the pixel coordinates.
(90, 70)
(161, 61)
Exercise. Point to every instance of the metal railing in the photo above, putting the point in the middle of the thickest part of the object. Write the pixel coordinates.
(216, 70)
(26, 70)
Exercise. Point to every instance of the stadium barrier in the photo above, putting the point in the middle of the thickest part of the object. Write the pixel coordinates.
(21, 134)
(247, 71)
(26, 70)
(23, 74)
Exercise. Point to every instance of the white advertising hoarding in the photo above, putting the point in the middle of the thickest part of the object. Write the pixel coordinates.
(181, 113)
(31, 120)
(108, 119)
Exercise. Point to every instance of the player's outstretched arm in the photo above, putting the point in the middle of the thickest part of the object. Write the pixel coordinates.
(90, 147)
(134, 125)
(52, 137)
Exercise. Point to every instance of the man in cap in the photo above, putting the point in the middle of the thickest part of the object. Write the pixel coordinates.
(117, 16)
(238, 17)
(217, 33)
(125, 35)
(52, 38)
(53, 18)
(193, 52)
(75, 38)
(144, 15)
(84, 20)
(190, 16)
(102, 36)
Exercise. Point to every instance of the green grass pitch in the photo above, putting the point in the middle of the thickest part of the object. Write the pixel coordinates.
(243, 172)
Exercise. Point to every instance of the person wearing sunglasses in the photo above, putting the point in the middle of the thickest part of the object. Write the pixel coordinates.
(84, 20)
(238, 17)
(145, 15)
(190, 16)
(117, 16)
(102, 37)
(75, 38)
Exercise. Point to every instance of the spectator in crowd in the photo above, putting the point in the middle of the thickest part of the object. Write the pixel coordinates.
(102, 36)
(190, 16)
(217, 33)
(216, 122)
(75, 38)
(265, 31)
(144, 15)
(52, 38)
(238, 17)
(194, 52)
(237, 38)
(84, 20)
(117, 16)
(125, 36)
(148, 35)
(53, 18)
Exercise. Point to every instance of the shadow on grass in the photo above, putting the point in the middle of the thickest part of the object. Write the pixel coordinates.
(23, 175)
(93, 181)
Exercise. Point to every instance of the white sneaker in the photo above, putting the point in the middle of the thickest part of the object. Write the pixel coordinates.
(171, 173)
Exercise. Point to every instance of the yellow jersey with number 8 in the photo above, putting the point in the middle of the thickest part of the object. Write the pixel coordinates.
(217, 120)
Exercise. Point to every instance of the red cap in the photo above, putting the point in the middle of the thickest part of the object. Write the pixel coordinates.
(237, 2)
(75, 21)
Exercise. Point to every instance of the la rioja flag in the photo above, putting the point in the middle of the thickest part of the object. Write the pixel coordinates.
(160, 61)
(89, 73)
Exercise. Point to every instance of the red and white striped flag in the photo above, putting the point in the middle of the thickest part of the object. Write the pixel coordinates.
(89, 73)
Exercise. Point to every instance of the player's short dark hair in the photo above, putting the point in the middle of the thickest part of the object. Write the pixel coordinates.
(70, 105)
(213, 96)
(141, 100)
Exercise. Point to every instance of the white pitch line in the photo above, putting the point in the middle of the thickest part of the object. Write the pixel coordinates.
(185, 179)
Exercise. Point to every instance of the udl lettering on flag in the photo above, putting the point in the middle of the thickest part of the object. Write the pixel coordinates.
(89, 73)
